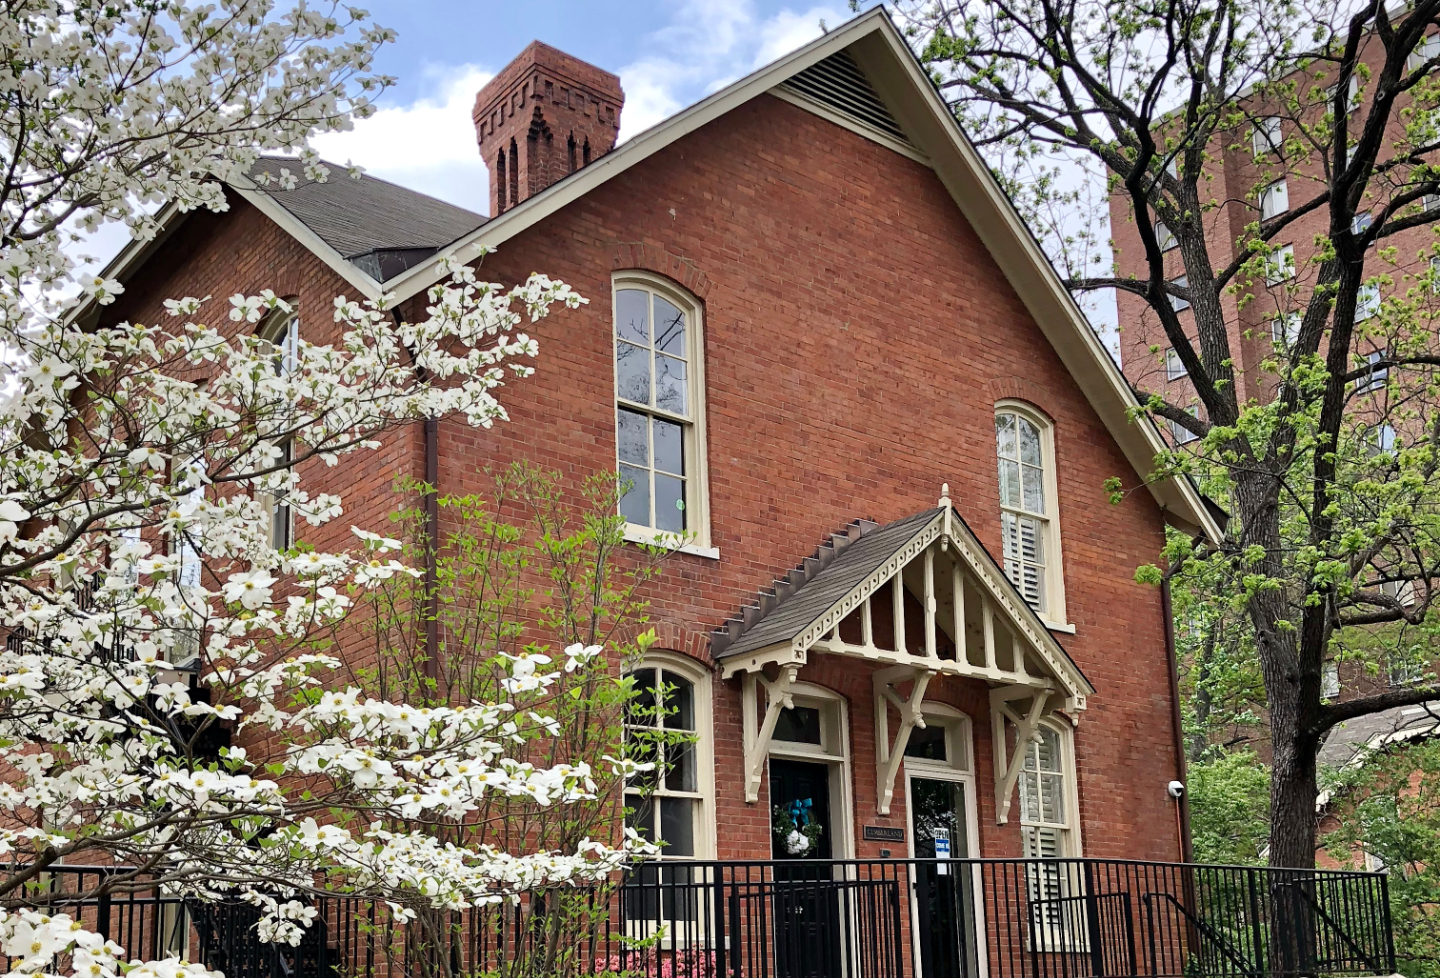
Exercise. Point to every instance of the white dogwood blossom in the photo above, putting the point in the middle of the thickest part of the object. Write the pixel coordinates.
(145, 604)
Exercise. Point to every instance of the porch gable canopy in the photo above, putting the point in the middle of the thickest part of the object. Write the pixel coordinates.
(920, 597)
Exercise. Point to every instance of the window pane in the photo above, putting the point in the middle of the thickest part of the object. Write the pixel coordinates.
(669, 328)
(1048, 750)
(1005, 435)
(677, 826)
(669, 446)
(640, 711)
(630, 433)
(1034, 490)
(681, 773)
(1009, 482)
(1029, 442)
(669, 503)
(679, 703)
(1052, 798)
(800, 725)
(635, 504)
(670, 390)
(642, 818)
(632, 320)
(632, 372)
(928, 743)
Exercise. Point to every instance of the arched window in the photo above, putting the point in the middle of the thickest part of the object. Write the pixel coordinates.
(659, 409)
(669, 723)
(282, 331)
(1024, 444)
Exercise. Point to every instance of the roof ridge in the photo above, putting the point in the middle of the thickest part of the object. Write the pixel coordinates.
(768, 599)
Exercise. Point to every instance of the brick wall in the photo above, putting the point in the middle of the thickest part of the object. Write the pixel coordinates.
(857, 337)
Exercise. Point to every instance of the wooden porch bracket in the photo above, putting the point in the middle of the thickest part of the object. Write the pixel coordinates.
(1007, 769)
(757, 743)
(889, 756)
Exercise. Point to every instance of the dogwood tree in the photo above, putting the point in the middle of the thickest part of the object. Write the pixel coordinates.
(143, 599)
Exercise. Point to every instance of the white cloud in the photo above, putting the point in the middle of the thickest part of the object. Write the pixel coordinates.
(428, 145)
(709, 44)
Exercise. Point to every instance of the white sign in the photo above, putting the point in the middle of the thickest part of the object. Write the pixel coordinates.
(942, 849)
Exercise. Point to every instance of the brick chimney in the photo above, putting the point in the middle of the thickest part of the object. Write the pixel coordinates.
(545, 116)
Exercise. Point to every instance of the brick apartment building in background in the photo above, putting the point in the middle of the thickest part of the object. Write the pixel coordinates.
(1243, 184)
(819, 340)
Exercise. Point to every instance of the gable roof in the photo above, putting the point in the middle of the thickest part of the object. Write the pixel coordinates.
(927, 131)
(944, 559)
(813, 597)
(931, 134)
(367, 216)
(366, 230)
(1353, 741)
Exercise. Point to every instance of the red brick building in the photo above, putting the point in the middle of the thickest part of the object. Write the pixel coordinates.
(811, 309)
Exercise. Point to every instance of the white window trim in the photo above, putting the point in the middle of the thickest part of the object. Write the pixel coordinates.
(1261, 141)
(697, 454)
(1054, 616)
(285, 326)
(1280, 265)
(699, 678)
(836, 755)
(1268, 199)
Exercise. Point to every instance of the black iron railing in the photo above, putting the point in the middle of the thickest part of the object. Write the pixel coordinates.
(892, 918)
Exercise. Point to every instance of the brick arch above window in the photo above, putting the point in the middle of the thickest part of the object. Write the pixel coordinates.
(679, 640)
(638, 256)
(1021, 389)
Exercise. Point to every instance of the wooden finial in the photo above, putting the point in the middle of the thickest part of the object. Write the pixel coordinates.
(944, 495)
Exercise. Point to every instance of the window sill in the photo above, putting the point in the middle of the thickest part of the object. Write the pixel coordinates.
(647, 537)
(1059, 626)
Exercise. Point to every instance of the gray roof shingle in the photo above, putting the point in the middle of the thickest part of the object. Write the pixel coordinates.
(1347, 740)
(812, 600)
(361, 217)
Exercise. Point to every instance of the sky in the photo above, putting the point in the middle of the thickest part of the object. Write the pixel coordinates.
(667, 55)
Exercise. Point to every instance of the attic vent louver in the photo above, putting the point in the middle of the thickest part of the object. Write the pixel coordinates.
(839, 84)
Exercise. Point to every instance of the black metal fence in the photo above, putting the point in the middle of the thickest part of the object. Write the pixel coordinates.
(891, 918)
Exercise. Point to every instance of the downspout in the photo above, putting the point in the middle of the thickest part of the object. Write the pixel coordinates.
(431, 440)
(1177, 722)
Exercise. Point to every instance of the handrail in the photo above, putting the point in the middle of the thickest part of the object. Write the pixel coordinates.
(1204, 928)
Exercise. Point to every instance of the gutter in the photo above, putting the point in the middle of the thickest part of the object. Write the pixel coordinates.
(1177, 724)
(431, 439)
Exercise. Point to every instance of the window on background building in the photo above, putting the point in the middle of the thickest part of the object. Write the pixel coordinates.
(1377, 376)
(1367, 302)
(1280, 265)
(1182, 434)
(1178, 302)
(660, 402)
(1265, 137)
(1427, 49)
(1352, 95)
(1404, 670)
(1361, 222)
(1025, 447)
(1164, 236)
(282, 332)
(1330, 681)
(184, 546)
(1285, 328)
(1381, 438)
(1274, 200)
(1174, 368)
(1435, 274)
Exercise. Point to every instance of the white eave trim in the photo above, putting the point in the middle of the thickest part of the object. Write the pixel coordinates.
(271, 208)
